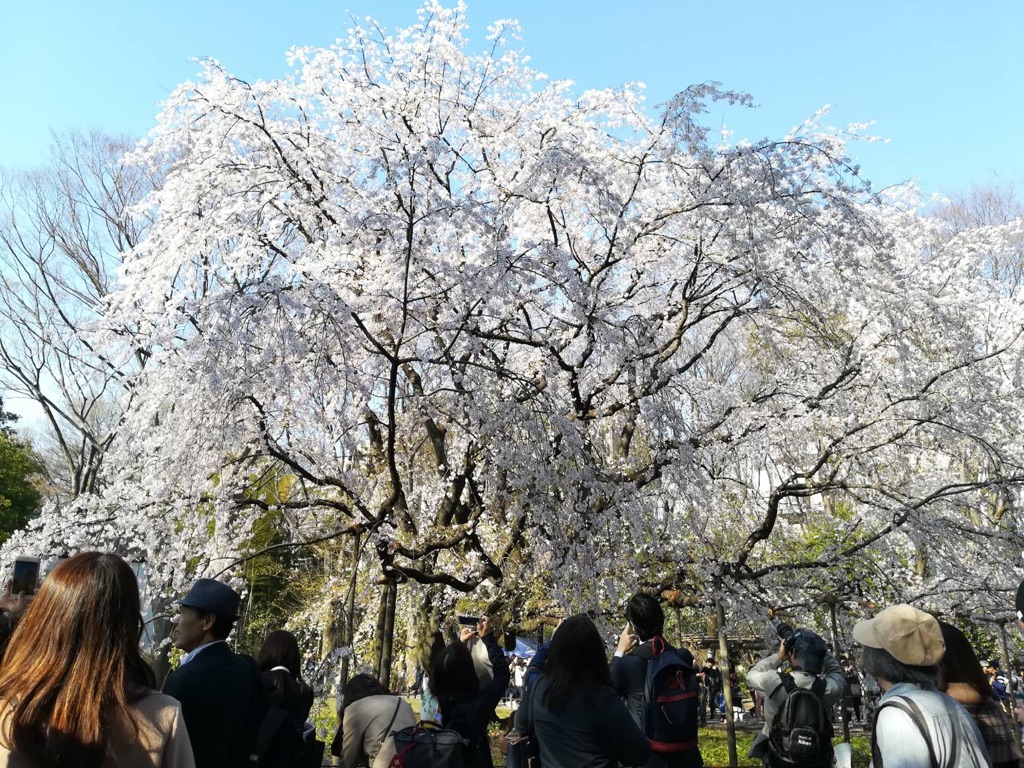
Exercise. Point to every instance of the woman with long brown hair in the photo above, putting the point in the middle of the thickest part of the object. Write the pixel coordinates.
(74, 688)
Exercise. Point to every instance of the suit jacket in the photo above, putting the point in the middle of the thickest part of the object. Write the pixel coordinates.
(222, 700)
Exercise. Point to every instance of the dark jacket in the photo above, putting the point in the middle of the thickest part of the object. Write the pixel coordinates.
(287, 746)
(629, 678)
(222, 702)
(470, 718)
(293, 695)
(593, 731)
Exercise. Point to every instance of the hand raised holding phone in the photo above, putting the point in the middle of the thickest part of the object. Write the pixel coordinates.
(627, 640)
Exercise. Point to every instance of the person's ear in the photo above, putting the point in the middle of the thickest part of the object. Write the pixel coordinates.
(208, 620)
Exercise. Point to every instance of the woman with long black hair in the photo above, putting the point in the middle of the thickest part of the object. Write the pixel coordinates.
(279, 663)
(571, 709)
(464, 704)
(960, 677)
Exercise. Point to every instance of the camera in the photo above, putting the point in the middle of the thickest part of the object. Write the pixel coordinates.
(468, 621)
(787, 635)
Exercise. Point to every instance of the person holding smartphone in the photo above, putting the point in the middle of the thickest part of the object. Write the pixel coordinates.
(464, 704)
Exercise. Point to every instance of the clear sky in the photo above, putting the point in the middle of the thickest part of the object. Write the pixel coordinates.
(941, 78)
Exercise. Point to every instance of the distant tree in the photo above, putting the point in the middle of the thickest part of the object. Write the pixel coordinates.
(63, 228)
(19, 496)
(996, 205)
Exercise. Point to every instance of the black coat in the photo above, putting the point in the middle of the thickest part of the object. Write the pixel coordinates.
(222, 702)
(471, 717)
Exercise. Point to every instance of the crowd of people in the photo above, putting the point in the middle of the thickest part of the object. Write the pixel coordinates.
(75, 691)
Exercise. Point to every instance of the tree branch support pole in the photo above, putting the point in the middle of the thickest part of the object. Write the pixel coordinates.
(389, 633)
(385, 633)
(349, 635)
(1004, 649)
(846, 690)
(726, 666)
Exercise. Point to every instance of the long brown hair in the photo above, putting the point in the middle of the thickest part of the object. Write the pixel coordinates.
(73, 666)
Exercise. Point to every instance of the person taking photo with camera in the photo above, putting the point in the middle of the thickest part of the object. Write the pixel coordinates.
(813, 669)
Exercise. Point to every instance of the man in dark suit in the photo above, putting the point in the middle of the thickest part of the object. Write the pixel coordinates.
(220, 691)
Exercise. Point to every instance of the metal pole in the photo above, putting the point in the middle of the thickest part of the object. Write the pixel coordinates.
(723, 653)
(846, 689)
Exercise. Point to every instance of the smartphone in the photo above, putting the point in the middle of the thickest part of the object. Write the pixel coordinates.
(26, 575)
(468, 621)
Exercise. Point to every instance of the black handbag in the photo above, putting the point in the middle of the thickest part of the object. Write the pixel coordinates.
(525, 751)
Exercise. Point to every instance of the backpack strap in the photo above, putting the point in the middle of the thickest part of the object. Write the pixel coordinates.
(269, 726)
(818, 687)
(387, 731)
(531, 693)
(910, 708)
(658, 646)
(785, 681)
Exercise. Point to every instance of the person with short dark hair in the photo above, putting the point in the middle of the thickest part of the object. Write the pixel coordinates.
(916, 726)
(220, 691)
(999, 684)
(710, 677)
(645, 620)
(571, 708)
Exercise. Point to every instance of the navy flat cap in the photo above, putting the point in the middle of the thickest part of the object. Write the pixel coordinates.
(214, 597)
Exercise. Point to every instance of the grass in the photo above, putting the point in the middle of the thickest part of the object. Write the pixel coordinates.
(714, 748)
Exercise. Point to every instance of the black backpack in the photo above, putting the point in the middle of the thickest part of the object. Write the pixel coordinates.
(801, 733)
(427, 745)
(668, 714)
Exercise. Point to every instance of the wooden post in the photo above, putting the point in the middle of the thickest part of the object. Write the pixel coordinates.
(349, 634)
(726, 666)
(846, 690)
(1006, 665)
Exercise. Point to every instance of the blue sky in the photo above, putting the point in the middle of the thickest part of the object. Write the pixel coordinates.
(942, 79)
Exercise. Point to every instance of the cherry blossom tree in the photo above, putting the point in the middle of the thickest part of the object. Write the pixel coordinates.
(500, 333)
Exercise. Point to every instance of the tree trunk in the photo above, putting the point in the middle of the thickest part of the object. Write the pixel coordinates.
(349, 630)
(726, 666)
(388, 640)
(846, 689)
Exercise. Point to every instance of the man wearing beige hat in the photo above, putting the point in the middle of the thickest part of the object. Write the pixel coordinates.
(916, 726)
